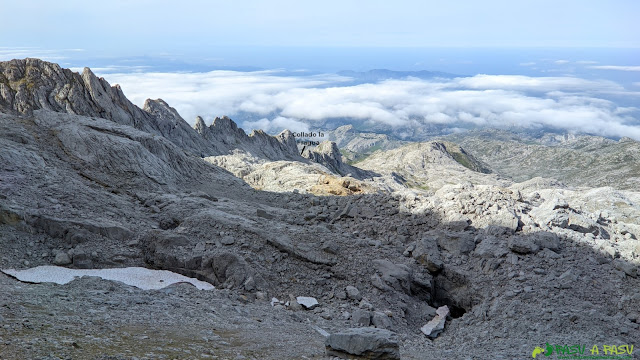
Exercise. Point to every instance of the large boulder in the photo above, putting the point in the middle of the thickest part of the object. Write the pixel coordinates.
(426, 252)
(457, 243)
(397, 276)
(363, 343)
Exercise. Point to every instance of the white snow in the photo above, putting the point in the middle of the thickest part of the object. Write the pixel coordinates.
(146, 279)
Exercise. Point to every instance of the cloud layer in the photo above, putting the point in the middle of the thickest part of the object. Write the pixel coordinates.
(616, 67)
(276, 102)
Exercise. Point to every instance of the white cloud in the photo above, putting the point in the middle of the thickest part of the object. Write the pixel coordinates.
(276, 125)
(541, 84)
(214, 93)
(616, 67)
(297, 103)
(560, 62)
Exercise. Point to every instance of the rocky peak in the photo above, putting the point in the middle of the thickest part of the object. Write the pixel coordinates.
(200, 126)
(32, 84)
(288, 140)
(328, 154)
(225, 135)
(226, 130)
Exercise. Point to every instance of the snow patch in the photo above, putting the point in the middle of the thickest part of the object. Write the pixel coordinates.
(146, 279)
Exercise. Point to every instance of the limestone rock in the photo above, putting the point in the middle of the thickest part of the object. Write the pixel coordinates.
(62, 258)
(363, 343)
(434, 327)
(353, 293)
(491, 246)
(381, 320)
(458, 243)
(361, 317)
(426, 252)
(328, 154)
(523, 245)
(626, 267)
(308, 303)
(397, 276)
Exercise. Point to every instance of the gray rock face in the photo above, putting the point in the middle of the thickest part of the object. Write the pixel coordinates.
(364, 343)
(491, 246)
(460, 243)
(357, 145)
(397, 276)
(522, 245)
(381, 320)
(328, 154)
(581, 160)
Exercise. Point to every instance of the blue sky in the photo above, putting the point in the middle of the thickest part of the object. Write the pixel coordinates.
(151, 26)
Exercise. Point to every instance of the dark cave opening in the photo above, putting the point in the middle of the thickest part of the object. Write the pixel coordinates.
(451, 289)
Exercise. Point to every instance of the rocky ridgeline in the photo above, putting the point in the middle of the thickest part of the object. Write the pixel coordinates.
(32, 84)
(457, 264)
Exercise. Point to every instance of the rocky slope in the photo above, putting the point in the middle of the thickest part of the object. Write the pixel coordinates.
(577, 160)
(517, 264)
(430, 165)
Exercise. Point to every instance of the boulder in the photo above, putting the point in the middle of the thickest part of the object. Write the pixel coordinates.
(507, 219)
(381, 320)
(491, 246)
(353, 292)
(361, 317)
(457, 243)
(626, 267)
(397, 276)
(546, 240)
(82, 260)
(307, 302)
(523, 245)
(582, 224)
(363, 343)
(434, 327)
(426, 252)
(62, 258)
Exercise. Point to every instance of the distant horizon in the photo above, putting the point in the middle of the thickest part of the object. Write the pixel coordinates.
(462, 60)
